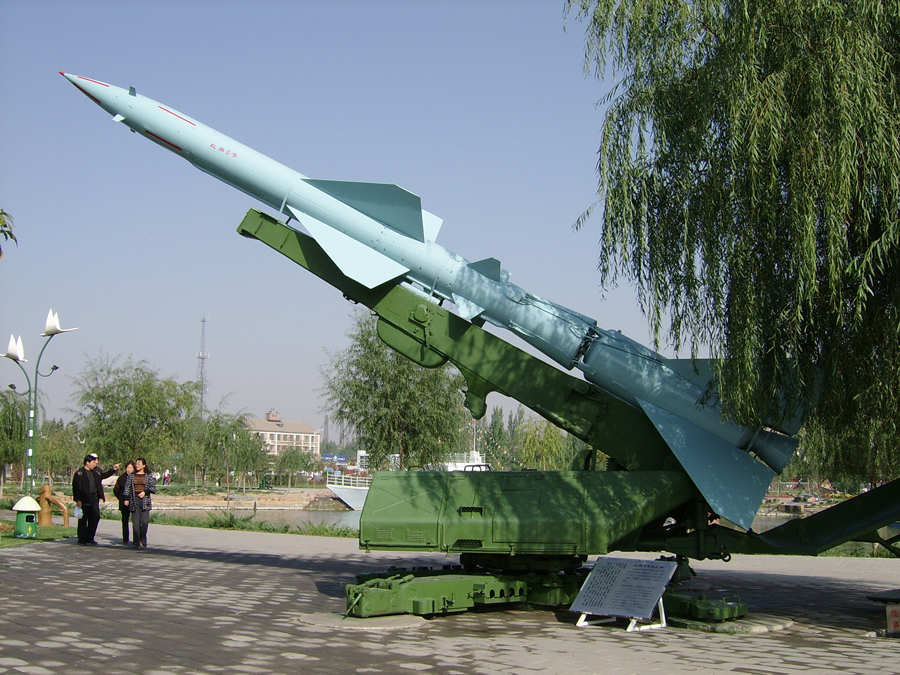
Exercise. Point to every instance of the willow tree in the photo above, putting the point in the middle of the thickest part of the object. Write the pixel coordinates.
(230, 447)
(394, 406)
(6, 228)
(293, 460)
(13, 423)
(58, 450)
(127, 410)
(544, 446)
(749, 174)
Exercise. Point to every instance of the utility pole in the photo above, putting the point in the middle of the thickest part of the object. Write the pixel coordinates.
(201, 366)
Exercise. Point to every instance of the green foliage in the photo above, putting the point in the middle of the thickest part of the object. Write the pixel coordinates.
(327, 530)
(127, 410)
(182, 489)
(330, 448)
(515, 430)
(57, 450)
(13, 422)
(855, 549)
(492, 441)
(6, 228)
(351, 449)
(230, 447)
(527, 442)
(44, 533)
(395, 406)
(229, 520)
(294, 460)
(874, 459)
(496, 431)
(802, 464)
(192, 456)
(750, 187)
(544, 447)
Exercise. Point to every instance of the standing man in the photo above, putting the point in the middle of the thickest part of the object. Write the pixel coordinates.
(87, 491)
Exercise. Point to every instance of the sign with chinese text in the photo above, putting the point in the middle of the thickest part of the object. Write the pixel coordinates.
(624, 587)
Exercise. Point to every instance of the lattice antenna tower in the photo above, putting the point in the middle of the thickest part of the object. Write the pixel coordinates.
(201, 366)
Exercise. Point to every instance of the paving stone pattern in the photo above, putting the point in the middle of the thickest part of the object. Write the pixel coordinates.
(201, 601)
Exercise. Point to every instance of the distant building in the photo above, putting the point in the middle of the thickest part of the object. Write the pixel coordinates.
(362, 461)
(279, 435)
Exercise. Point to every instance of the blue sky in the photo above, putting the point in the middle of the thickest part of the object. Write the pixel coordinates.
(480, 108)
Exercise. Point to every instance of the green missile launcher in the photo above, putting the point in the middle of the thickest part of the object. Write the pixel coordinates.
(523, 536)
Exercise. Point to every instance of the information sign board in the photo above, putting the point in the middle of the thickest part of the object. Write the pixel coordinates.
(624, 587)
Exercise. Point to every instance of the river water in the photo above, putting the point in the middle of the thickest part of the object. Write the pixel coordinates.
(764, 523)
(294, 517)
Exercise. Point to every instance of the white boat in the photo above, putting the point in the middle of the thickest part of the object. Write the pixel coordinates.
(352, 490)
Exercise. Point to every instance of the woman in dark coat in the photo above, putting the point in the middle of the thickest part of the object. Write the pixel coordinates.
(119, 491)
(138, 488)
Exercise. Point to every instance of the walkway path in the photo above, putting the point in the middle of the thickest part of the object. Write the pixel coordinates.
(206, 601)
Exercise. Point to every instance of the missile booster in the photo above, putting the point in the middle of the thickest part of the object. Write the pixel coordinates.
(380, 234)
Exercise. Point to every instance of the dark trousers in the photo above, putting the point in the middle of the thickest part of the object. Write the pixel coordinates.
(126, 523)
(87, 524)
(140, 521)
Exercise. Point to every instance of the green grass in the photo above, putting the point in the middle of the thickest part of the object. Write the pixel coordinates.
(44, 533)
(229, 520)
(219, 520)
(182, 489)
(312, 530)
(855, 549)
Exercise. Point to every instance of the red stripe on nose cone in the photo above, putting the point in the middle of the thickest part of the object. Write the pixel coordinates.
(163, 140)
(87, 79)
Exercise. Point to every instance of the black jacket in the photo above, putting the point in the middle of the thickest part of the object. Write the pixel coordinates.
(81, 484)
(119, 492)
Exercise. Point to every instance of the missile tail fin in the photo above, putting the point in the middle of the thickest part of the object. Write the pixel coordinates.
(432, 225)
(397, 208)
(732, 482)
(702, 373)
(359, 262)
(467, 309)
(489, 267)
(699, 371)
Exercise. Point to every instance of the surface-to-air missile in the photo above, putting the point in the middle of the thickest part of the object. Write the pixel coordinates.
(377, 233)
(657, 418)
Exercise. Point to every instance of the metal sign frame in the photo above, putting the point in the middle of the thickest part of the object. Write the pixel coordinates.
(629, 588)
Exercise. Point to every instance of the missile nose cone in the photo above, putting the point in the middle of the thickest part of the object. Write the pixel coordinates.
(93, 89)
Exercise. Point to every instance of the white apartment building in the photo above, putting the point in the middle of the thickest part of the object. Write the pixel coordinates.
(279, 435)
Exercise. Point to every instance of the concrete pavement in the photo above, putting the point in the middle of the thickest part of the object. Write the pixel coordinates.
(207, 601)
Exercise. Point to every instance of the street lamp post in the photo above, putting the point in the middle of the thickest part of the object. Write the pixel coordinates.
(16, 352)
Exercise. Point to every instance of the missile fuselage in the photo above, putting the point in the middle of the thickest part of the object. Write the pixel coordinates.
(379, 233)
